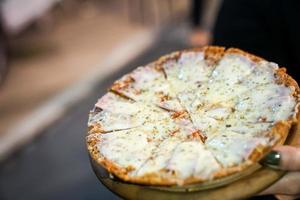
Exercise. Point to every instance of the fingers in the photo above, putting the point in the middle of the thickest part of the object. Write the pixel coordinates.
(284, 157)
(288, 185)
(286, 197)
(289, 158)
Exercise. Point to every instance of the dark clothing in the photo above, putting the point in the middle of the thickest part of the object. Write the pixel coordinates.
(196, 12)
(267, 28)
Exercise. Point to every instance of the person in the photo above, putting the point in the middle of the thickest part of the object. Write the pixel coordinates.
(270, 29)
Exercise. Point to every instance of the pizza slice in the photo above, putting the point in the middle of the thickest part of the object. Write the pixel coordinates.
(232, 68)
(268, 103)
(159, 158)
(113, 112)
(147, 84)
(189, 70)
(233, 149)
(191, 160)
(122, 152)
(180, 162)
(241, 77)
(130, 149)
(236, 74)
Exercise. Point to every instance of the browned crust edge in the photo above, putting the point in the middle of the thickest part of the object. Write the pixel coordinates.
(125, 81)
(252, 57)
(212, 55)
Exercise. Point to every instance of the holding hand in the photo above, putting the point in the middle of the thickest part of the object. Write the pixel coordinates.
(285, 158)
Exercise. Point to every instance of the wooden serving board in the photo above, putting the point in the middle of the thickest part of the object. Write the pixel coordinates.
(242, 188)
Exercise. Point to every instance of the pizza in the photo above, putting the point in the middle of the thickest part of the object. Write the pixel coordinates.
(192, 116)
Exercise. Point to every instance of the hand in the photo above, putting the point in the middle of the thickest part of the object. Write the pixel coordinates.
(285, 158)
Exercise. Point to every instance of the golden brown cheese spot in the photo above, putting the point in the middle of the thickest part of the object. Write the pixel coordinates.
(172, 133)
(119, 85)
(179, 114)
(198, 135)
(130, 168)
(163, 97)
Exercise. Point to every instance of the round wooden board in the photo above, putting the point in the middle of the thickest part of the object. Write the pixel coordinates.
(242, 188)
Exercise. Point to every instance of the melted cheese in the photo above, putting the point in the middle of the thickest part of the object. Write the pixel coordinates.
(128, 149)
(149, 85)
(232, 69)
(196, 120)
(231, 148)
(188, 72)
(114, 121)
(263, 73)
(245, 128)
(118, 114)
(160, 157)
(190, 159)
(113, 103)
(266, 103)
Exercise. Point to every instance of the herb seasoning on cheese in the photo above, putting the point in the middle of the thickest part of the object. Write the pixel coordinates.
(192, 116)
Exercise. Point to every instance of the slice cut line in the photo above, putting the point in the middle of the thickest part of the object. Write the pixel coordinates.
(187, 111)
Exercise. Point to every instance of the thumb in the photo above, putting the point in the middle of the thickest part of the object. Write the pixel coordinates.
(284, 157)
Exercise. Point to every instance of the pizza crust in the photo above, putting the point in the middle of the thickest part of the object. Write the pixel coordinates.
(212, 54)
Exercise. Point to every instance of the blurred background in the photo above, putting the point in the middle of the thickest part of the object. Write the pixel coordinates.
(58, 56)
(46, 45)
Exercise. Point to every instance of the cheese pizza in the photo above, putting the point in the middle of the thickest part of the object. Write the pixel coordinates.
(192, 116)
